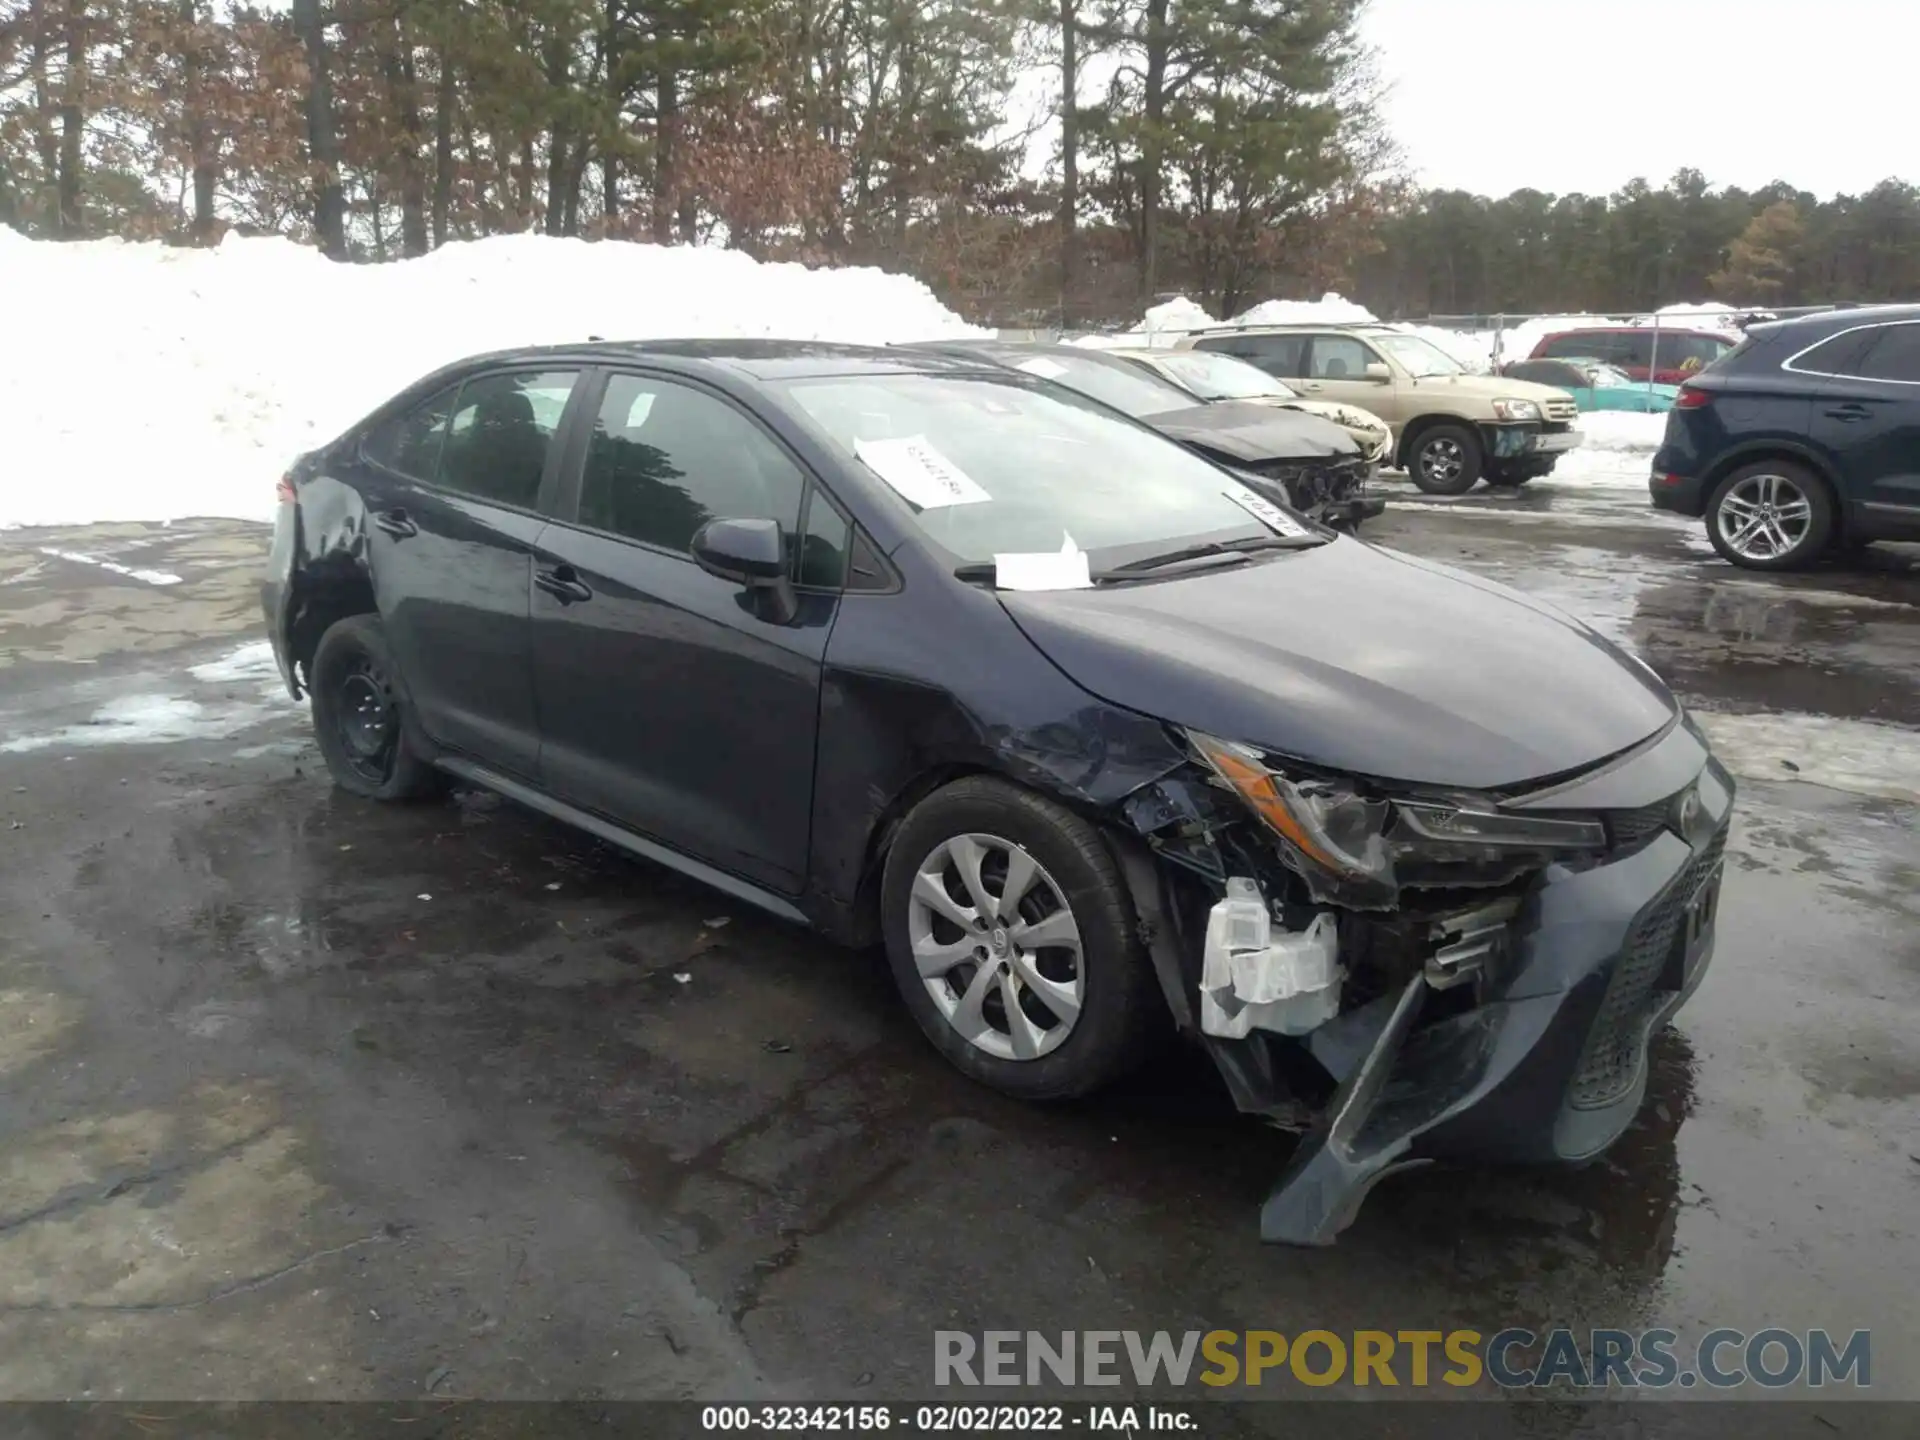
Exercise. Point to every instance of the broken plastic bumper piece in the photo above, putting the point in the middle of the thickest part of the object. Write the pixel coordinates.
(1253, 979)
(1552, 1067)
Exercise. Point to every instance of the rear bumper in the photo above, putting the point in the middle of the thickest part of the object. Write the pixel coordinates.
(1682, 494)
(1552, 1067)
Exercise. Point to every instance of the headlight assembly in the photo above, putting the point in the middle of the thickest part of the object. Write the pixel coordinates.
(1356, 847)
(1516, 410)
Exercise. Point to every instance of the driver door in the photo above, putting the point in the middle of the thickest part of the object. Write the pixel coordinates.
(1337, 370)
(668, 702)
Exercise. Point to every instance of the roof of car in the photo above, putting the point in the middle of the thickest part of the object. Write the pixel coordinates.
(758, 357)
(1703, 330)
(1846, 318)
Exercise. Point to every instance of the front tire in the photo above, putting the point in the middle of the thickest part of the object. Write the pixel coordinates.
(359, 717)
(1447, 460)
(1013, 941)
(1771, 515)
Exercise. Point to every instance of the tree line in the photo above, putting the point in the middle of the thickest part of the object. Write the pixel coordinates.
(1450, 253)
(1228, 149)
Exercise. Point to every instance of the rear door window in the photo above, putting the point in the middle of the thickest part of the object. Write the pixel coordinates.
(1281, 355)
(1893, 355)
(1840, 355)
(501, 432)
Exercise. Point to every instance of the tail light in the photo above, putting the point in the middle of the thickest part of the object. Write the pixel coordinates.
(1691, 399)
(284, 489)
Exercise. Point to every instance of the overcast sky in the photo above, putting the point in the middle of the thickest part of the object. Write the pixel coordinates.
(1565, 95)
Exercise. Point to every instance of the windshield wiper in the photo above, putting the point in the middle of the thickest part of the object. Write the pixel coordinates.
(1214, 547)
(1225, 551)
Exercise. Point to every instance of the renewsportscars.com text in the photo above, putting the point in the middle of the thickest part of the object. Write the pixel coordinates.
(1512, 1358)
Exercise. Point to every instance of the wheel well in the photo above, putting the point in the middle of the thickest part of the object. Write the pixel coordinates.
(866, 902)
(1803, 461)
(318, 604)
(1410, 436)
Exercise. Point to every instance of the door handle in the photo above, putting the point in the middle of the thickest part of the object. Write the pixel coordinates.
(1849, 412)
(562, 582)
(396, 524)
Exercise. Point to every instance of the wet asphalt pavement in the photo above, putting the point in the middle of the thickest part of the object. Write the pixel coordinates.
(302, 1096)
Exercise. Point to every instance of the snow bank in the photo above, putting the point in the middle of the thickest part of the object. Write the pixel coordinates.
(1329, 309)
(1177, 314)
(1710, 316)
(149, 383)
(1616, 451)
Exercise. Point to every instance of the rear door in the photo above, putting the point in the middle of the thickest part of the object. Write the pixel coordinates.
(1868, 418)
(668, 701)
(1282, 356)
(454, 516)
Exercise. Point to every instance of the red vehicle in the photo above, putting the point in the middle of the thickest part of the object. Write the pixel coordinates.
(1672, 356)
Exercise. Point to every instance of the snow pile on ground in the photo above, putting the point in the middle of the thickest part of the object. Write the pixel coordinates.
(1863, 757)
(1177, 315)
(1710, 316)
(1616, 451)
(1329, 309)
(143, 382)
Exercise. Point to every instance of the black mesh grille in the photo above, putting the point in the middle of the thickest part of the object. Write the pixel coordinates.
(1629, 829)
(1618, 1040)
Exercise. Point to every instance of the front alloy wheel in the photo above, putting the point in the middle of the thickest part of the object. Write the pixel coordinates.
(1014, 942)
(996, 945)
(1447, 460)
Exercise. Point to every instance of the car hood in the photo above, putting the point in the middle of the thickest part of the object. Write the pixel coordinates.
(1490, 387)
(1361, 660)
(1350, 417)
(1248, 431)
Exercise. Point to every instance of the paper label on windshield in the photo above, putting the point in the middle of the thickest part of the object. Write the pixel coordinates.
(1264, 510)
(1062, 569)
(1046, 369)
(920, 473)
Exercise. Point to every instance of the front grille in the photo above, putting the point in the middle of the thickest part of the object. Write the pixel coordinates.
(1630, 829)
(1561, 410)
(1617, 1043)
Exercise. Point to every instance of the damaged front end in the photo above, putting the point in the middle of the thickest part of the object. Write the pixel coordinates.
(1408, 975)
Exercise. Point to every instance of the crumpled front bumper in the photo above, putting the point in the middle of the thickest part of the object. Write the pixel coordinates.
(1552, 1067)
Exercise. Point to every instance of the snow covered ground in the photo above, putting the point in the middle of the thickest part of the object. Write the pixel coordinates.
(148, 383)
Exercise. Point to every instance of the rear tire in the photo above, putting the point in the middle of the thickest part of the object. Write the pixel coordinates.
(1446, 460)
(1771, 515)
(359, 716)
(1066, 955)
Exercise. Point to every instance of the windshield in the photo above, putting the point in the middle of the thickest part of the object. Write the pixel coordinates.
(1024, 470)
(1130, 391)
(1213, 376)
(1419, 358)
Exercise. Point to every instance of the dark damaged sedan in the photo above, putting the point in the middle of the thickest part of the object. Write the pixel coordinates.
(1302, 461)
(1093, 737)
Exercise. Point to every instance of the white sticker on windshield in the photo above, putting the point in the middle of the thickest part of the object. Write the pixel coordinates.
(919, 472)
(1062, 569)
(1264, 510)
(1046, 369)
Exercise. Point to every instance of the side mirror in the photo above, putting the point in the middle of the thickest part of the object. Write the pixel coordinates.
(752, 555)
(1377, 372)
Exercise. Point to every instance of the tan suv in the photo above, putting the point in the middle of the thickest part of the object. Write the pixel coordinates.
(1454, 428)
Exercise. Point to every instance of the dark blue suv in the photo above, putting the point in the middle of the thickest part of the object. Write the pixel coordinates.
(1804, 437)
